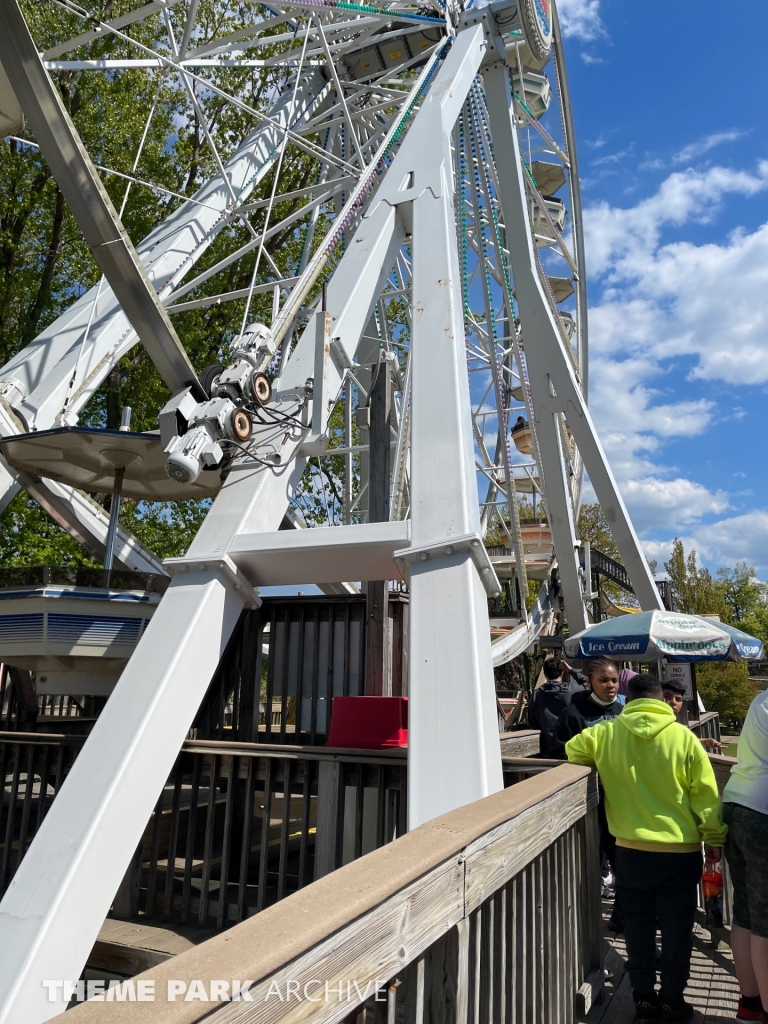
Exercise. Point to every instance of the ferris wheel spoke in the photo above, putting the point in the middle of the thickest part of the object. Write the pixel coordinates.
(243, 250)
(311, 148)
(340, 94)
(153, 7)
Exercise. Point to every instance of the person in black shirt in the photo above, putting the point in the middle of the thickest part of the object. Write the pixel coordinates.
(601, 700)
(548, 701)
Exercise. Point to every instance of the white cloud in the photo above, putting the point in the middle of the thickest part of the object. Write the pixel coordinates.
(679, 299)
(622, 240)
(721, 543)
(669, 504)
(611, 158)
(729, 540)
(663, 302)
(659, 551)
(704, 145)
(580, 19)
(589, 58)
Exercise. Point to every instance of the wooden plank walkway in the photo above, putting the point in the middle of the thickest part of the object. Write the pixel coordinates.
(712, 989)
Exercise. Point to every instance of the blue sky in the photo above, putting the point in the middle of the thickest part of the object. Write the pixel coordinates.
(669, 102)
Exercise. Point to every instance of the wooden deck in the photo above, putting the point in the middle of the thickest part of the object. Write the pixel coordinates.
(713, 989)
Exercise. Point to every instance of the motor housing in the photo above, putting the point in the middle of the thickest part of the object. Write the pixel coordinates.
(193, 432)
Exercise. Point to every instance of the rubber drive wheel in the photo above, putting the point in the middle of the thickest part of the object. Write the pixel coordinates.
(208, 377)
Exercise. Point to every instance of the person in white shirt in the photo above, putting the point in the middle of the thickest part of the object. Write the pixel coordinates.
(745, 811)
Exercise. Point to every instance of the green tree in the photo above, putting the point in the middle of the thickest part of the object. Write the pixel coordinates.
(45, 263)
(725, 687)
(28, 536)
(593, 527)
(694, 589)
(742, 591)
(756, 623)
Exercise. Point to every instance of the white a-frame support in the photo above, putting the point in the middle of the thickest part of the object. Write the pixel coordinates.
(454, 746)
(60, 895)
(554, 388)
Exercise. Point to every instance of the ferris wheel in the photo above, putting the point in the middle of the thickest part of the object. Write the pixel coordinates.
(349, 82)
(394, 237)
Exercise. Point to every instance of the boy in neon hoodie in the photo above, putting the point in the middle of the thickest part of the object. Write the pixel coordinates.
(661, 801)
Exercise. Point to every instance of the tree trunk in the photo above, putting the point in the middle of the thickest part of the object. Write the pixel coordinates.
(46, 280)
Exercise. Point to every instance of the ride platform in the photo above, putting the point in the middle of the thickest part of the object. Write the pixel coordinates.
(712, 989)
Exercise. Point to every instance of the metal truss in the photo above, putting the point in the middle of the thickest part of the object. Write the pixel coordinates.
(431, 253)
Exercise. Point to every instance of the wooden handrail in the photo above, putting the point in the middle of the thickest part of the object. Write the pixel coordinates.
(368, 920)
(394, 755)
(40, 738)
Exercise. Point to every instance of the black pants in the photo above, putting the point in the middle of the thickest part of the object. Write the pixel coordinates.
(607, 841)
(651, 887)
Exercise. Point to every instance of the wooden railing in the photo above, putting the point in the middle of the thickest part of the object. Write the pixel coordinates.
(706, 726)
(32, 768)
(240, 826)
(489, 913)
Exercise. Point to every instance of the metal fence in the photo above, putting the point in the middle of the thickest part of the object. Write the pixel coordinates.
(33, 767)
(239, 827)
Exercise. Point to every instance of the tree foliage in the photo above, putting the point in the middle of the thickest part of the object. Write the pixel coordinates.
(28, 536)
(593, 527)
(694, 589)
(45, 263)
(737, 597)
(725, 687)
(742, 592)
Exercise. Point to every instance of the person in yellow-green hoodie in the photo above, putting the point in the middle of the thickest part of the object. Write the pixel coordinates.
(661, 801)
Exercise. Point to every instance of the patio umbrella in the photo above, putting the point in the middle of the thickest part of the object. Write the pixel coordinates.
(648, 636)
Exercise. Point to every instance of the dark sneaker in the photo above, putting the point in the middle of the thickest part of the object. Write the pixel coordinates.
(742, 1013)
(615, 923)
(646, 1007)
(674, 1010)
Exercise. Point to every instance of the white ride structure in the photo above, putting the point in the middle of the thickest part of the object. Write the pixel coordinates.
(434, 199)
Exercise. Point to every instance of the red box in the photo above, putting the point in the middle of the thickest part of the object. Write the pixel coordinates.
(369, 723)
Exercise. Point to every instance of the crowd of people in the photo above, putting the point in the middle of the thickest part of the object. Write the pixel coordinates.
(659, 805)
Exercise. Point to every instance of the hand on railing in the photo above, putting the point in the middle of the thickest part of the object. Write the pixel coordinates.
(709, 743)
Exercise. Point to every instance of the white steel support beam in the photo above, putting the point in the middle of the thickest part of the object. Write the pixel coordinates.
(539, 334)
(553, 383)
(58, 899)
(52, 912)
(453, 750)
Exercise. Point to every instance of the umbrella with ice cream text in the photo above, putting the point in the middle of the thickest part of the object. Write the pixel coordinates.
(649, 636)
